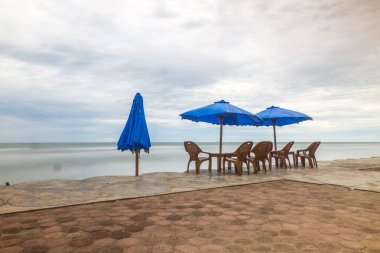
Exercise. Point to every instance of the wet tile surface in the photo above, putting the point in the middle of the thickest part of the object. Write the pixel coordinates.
(278, 216)
(355, 174)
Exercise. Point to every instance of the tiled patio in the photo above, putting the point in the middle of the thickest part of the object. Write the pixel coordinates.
(279, 216)
(178, 212)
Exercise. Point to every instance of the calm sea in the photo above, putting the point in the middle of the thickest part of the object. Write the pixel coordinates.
(40, 161)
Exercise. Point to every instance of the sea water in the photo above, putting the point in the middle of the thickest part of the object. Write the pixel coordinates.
(41, 161)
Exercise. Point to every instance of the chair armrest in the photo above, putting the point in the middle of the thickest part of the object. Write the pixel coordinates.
(278, 153)
(226, 158)
(229, 154)
(301, 150)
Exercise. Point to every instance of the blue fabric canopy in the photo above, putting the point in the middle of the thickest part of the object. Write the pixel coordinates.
(281, 117)
(224, 113)
(276, 116)
(135, 135)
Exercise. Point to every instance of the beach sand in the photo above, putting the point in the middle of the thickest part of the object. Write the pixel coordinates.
(280, 216)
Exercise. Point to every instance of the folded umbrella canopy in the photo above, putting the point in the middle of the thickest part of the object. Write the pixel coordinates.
(135, 135)
(276, 116)
(222, 113)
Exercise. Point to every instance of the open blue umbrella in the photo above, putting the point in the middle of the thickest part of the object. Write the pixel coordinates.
(222, 113)
(276, 116)
(135, 135)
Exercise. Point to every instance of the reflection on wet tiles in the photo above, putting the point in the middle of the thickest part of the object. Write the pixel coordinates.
(110, 179)
(37, 195)
(165, 175)
(62, 197)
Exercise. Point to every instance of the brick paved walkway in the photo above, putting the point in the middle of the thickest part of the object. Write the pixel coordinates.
(280, 216)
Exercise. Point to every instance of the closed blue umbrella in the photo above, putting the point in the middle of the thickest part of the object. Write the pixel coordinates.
(276, 116)
(222, 113)
(135, 135)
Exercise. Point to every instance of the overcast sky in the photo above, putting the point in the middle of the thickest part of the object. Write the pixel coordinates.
(69, 69)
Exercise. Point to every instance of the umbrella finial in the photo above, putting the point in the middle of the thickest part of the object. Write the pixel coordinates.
(222, 102)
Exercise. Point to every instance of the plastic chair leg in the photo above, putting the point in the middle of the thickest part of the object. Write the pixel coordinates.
(310, 162)
(303, 161)
(287, 159)
(238, 168)
(197, 167)
(270, 161)
(264, 167)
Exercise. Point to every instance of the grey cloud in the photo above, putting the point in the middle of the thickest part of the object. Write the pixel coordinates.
(162, 11)
(40, 110)
(194, 24)
(166, 68)
(62, 56)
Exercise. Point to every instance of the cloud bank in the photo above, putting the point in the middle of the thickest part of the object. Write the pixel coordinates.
(69, 70)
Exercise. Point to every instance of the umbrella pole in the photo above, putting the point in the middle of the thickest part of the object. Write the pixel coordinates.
(274, 135)
(221, 137)
(275, 142)
(137, 162)
(220, 145)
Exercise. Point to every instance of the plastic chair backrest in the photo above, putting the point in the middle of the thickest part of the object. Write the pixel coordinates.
(243, 150)
(262, 149)
(287, 148)
(313, 148)
(193, 149)
(269, 147)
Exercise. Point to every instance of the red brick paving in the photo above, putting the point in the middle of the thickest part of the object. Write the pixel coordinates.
(280, 216)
